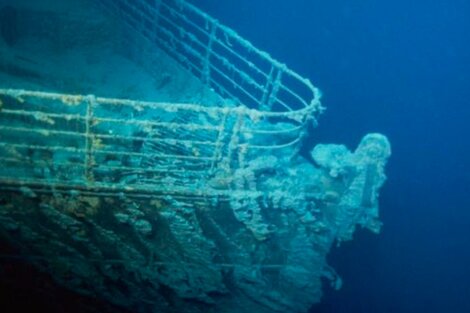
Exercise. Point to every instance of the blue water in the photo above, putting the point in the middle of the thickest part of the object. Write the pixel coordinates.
(401, 68)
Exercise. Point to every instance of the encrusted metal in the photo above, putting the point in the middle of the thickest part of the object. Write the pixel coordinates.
(93, 143)
(204, 206)
(217, 55)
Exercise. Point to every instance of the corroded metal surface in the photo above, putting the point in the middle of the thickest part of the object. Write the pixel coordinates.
(184, 207)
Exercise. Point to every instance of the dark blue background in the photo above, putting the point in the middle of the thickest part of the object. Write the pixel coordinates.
(401, 68)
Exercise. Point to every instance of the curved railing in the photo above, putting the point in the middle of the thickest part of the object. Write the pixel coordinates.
(88, 142)
(217, 55)
(75, 141)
